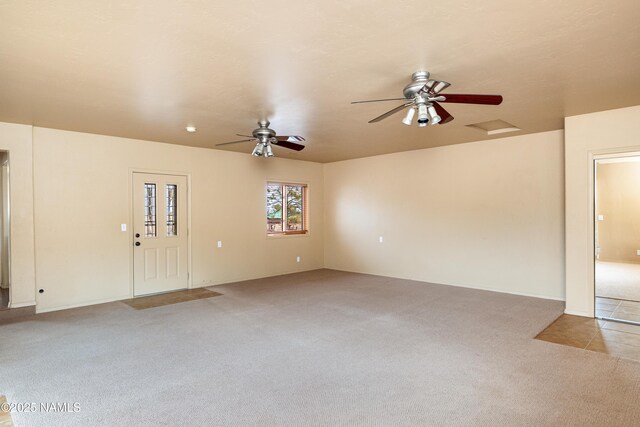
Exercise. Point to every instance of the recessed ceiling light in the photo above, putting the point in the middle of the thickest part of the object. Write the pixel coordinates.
(191, 129)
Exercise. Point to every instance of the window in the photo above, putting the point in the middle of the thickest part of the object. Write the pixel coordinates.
(149, 210)
(172, 215)
(286, 208)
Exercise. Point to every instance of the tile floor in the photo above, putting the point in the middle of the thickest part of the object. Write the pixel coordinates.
(612, 308)
(614, 338)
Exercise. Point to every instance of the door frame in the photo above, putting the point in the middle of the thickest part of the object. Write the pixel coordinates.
(8, 231)
(130, 225)
(594, 156)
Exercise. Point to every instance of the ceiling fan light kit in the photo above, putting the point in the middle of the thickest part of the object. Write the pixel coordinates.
(411, 112)
(433, 115)
(423, 95)
(258, 150)
(266, 137)
(423, 115)
(263, 148)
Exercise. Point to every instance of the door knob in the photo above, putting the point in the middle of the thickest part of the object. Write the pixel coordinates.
(137, 234)
(137, 243)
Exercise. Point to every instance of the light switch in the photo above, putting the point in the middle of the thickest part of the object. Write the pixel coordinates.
(123, 227)
(600, 217)
(219, 243)
(638, 252)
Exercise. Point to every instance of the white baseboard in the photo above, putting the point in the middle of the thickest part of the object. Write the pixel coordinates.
(245, 278)
(21, 304)
(80, 304)
(200, 285)
(481, 288)
(579, 313)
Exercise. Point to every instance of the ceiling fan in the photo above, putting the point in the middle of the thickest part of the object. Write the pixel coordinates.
(422, 96)
(266, 137)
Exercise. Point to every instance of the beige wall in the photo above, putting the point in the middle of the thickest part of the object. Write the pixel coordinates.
(618, 201)
(82, 193)
(485, 215)
(586, 136)
(17, 140)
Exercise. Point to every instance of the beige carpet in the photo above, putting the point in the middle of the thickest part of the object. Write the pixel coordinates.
(618, 280)
(317, 348)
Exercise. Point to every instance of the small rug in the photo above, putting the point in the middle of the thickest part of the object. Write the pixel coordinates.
(141, 303)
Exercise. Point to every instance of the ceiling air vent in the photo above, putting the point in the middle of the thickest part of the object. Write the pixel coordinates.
(494, 127)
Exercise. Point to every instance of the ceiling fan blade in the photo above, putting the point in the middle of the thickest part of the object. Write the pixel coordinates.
(472, 99)
(290, 138)
(235, 142)
(246, 136)
(380, 100)
(289, 145)
(440, 86)
(391, 112)
(434, 87)
(445, 117)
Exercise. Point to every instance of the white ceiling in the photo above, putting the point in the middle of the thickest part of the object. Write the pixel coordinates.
(146, 69)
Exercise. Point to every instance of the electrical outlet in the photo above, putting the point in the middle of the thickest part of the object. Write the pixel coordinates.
(380, 239)
(219, 243)
(297, 259)
(638, 252)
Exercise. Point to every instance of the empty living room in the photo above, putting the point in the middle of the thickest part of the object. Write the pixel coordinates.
(319, 213)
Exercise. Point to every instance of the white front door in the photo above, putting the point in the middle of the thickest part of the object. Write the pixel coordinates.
(160, 252)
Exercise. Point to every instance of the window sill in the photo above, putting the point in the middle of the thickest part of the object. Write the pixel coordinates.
(287, 234)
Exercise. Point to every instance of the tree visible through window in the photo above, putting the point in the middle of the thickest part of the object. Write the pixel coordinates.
(286, 208)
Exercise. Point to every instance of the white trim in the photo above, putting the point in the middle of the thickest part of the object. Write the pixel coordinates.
(592, 157)
(502, 291)
(245, 278)
(10, 232)
(189, 248)
(81, 304)
(616, 154)
(21, 304)
(579, 313)
(480, 288)
(287, 236)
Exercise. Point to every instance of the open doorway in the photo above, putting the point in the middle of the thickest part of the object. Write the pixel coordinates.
(617, 238)
(5, 211)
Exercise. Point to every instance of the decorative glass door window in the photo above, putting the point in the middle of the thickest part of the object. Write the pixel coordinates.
(150, 229)
(172, 209)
